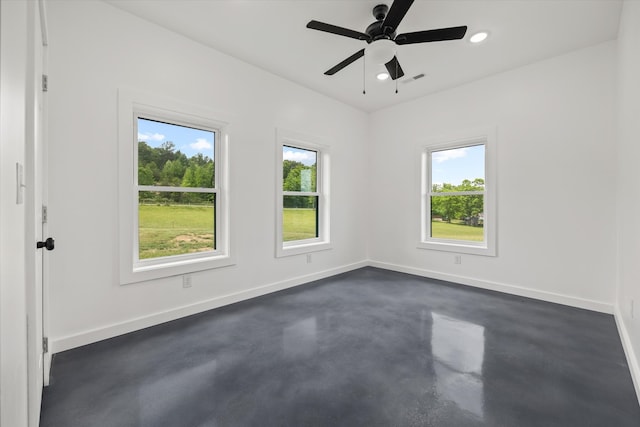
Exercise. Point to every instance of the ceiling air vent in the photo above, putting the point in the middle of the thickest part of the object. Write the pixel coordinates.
(414, 78)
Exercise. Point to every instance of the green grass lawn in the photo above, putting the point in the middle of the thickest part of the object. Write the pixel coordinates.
(298, 224)
(453, 231)
(174, 230)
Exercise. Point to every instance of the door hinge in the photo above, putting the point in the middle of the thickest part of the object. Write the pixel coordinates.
(45, 345)
(44, 214)
(45, 83)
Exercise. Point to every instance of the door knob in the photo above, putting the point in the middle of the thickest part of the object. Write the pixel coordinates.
(48, 244)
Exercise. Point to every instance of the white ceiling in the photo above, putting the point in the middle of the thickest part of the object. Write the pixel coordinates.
(271, 34)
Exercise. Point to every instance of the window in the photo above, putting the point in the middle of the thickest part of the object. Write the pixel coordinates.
(458, 195)
(303, 196)
(300, 194)
(174, 213)
(176, 189)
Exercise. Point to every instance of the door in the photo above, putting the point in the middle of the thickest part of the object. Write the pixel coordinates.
(35, 164)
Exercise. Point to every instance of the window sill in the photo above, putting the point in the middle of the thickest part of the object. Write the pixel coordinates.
(460, 248)
(302, 248)
(174, 268)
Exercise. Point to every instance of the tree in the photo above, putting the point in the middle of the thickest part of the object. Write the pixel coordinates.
(287, 166)
(189, 178)
(204, 175)
(462, 207)
(165, 166)
(296, 178)
(145, 175)
(165, 153)
(173, 172)
(292, 181)
(299, 178)
(200, 160)
(146, 154)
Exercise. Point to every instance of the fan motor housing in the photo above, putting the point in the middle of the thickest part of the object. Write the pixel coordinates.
(375, 29)
(376, 32)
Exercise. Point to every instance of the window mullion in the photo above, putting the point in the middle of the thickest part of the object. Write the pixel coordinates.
(167, 189)
(457, 193)
(301, 193)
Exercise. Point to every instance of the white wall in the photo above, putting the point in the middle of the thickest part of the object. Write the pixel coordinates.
(628, 177)
(555, 124)
(13, 314)
(95, 49)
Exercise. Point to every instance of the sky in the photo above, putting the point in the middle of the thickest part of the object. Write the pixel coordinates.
(454, 166)
(450, 166)
(188, 140)
(306, 157)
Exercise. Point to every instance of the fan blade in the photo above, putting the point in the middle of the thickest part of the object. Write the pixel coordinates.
(394, 68)
(398, 9)
(359, 54)
(328, 28)
(442, 34)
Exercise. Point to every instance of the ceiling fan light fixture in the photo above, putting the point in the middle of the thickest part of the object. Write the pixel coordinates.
(381, 51)
(382, 76)
(479, 37)
(381, 39)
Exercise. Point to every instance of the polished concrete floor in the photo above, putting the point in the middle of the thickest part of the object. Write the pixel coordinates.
(365, 348)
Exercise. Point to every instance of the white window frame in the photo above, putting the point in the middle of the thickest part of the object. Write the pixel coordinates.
(487, 247)
(131, 106)
(322, 242)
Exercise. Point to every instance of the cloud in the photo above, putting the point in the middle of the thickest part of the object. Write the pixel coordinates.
(150, 137)
(443, 156)
(304, 157)
(201, 144)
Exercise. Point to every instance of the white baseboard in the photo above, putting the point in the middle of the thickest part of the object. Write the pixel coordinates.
(500, 287)
(59, 344)
(632, 357)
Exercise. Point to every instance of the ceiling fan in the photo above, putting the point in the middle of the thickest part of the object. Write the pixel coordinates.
(381, 37)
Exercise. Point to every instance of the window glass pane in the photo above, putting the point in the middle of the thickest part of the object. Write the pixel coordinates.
(173, 155)
(458, 169)
(299, 218)
(458, 217)
(175, 223)
(299, 169)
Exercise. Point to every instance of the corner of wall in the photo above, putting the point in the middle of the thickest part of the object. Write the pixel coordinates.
(628, 128)
(632, 357)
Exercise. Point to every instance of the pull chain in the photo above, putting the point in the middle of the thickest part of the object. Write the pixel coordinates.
(364, 75)
(396, 75)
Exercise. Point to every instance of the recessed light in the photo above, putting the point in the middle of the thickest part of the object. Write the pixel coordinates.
(478, 37)
(382, 76)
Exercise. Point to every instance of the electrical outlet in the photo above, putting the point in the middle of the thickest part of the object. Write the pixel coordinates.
(186, 281)
(457, 259)
(308, 258)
